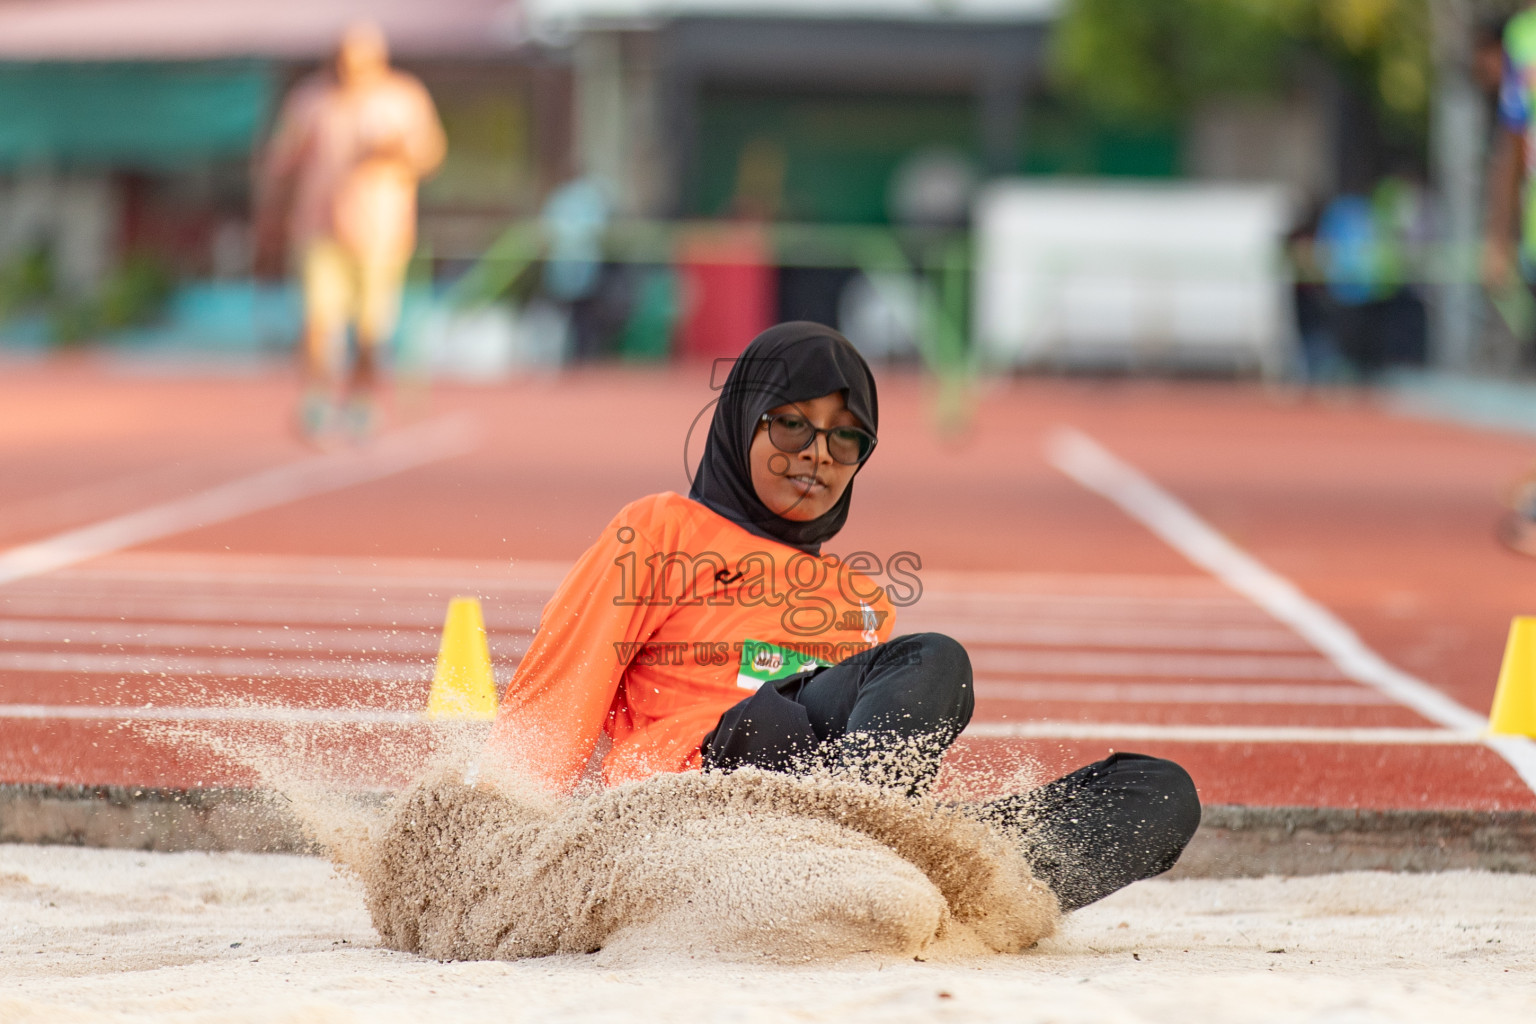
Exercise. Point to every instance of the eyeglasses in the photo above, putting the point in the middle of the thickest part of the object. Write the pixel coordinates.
(792, 433)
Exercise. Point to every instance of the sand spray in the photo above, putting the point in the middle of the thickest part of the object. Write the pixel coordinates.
(748, 865)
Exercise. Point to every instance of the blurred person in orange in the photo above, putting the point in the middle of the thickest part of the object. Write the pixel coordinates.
(337, 185)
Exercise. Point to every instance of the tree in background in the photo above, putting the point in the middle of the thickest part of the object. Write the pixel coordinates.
(1157, 60)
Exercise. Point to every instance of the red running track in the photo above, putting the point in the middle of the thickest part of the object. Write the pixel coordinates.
(321, 586)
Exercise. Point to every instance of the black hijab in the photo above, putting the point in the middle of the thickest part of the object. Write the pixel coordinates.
(792, 362)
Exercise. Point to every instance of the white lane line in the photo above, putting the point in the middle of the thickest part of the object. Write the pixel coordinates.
(1246, 616)
(978, 730)
(1221, 733)
(982, 602)
(227, 638)
(1143, 585)
(393, 453)
(1063, 634)
(1090, 464)
(47, 509)
(217, 566)
(1065, 595)
(1187, 693)
(276, 715)
(293, 612)
(1180, 666)
(134, 581)
(178, 666)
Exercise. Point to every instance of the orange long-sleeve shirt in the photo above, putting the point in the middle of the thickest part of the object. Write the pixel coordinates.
(643, 639)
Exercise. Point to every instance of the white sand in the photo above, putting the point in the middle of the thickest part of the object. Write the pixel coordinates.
(88, 935)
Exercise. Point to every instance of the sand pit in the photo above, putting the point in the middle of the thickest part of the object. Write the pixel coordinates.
(741, 866)
(744, 866)
(108, 935)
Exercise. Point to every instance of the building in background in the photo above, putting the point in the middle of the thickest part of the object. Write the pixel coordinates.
(127, 128)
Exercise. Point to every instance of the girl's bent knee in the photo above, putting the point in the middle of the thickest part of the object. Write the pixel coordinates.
(943, 655)
(944, 669)
(1182, 797)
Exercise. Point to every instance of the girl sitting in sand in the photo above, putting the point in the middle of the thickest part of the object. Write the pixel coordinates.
(709, 632)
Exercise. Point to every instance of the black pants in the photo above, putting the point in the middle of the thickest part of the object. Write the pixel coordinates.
(888, 714)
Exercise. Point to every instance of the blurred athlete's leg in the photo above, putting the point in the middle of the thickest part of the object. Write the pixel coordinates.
(329, 285)
(380, 281)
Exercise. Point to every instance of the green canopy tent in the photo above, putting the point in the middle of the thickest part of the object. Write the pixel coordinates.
(131, 115)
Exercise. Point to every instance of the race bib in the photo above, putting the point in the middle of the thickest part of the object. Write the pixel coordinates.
(762, 662)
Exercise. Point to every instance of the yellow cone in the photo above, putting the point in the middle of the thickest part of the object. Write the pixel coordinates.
(1514, 702)
(462, 685)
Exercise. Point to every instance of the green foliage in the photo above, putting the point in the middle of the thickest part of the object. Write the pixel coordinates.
(134, 293)
(1151, 60)
(1158, 58)
(26, 279)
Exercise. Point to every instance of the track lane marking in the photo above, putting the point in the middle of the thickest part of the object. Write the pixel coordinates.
(133, 581)
(118, 633)
(1204, 694)
(45, 510)
(977, 730)
(1083, 459)
(1091, 584)
(221, 610)
(146, 713)
(1096, 634)
(1180, 666)
(178, 666)
(110, 581)
(410, 569)
(981, 600)
(318, 474)
(1221, 733)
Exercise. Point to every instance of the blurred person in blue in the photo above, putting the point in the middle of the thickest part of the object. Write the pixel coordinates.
(1509, 251)
(1366, 249)
(337, 185)
(576, 276)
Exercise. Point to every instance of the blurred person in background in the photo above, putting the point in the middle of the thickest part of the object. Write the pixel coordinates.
(1321, 360)
(337, 188)
(1508, 334)
(1488, 58)
(1510, 230)
(576, 275)
(1367, 249)
(1509, 252)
